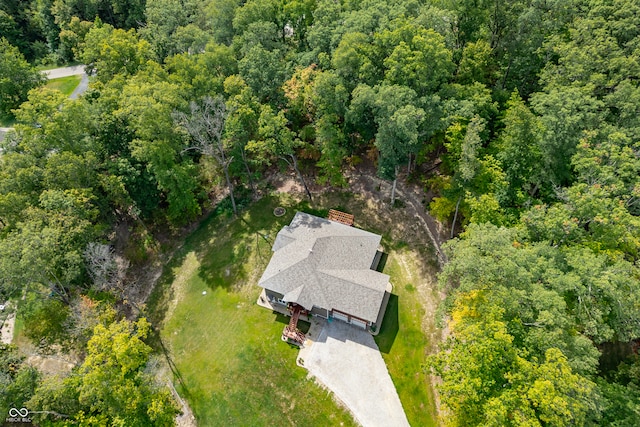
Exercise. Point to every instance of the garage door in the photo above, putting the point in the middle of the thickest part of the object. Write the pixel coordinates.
(340, 316)
(359, 323)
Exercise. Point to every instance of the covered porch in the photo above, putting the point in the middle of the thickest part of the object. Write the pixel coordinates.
(279, 307)
(290, 333)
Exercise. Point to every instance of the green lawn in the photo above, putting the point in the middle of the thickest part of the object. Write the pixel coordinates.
(229, 361)
(403, 343)
(66, 85)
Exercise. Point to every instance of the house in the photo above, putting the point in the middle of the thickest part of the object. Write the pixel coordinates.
(327, 269)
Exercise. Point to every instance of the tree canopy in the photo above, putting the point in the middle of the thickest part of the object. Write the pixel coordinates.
(520, 120)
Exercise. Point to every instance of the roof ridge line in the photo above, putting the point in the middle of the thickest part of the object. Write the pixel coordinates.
(327, 272)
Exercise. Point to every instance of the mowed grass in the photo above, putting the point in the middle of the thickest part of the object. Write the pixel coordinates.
(66, 85)
(403, 342)
(230, 363)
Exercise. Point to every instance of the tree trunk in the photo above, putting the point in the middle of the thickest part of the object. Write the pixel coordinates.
(304, 184)
(506, 73)
(393, 188)
(246, 165)
(225, 166)
(393, 191)
(59, 289)
(409, 165)
(455, 216)
(230, 186)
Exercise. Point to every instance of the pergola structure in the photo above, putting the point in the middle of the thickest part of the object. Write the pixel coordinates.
(341, 217)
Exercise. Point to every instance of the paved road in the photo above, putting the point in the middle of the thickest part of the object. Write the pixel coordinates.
(81, 88)
(56, 73)
(347, 361)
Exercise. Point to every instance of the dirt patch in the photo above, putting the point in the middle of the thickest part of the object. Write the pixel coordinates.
(51, 365)
(121, 236)
(285, 183)
(186, 418)
(364, 181)
(7, 324)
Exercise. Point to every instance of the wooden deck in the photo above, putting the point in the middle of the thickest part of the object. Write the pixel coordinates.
(341, 217)
(291, 331)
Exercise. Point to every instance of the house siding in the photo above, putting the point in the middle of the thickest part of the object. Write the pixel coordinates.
(273, 296)
(376, 260)
(319, 311)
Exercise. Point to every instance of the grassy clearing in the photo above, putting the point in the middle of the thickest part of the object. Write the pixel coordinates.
(403, 342)
(229, 361)
(66, 85)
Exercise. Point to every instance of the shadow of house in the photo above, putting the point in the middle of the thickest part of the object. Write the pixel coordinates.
(390, 326)
(382, 262)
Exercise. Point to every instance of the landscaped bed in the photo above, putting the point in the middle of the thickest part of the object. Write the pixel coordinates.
(230, 363)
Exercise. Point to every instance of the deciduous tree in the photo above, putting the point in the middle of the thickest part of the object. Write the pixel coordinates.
(277, 140)
(111, 387)
(17, 77)
(205, 124)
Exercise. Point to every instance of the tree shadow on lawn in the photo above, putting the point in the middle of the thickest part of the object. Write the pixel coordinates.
(390, 326)
(198, 242)
(222, 244)
(155, 341)
(253, 231)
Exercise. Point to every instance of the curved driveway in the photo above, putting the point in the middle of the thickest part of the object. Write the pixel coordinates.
(81, 88)
(348, 362)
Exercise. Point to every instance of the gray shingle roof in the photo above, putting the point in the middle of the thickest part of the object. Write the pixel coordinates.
(326, 264)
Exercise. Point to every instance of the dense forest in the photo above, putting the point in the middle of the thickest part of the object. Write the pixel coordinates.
(522, 117)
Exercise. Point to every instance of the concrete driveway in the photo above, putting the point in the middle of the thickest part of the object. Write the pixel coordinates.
(347, 361)
(81, 88)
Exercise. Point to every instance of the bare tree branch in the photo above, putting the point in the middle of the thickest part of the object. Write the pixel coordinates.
(205, 125)
(107, 270)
